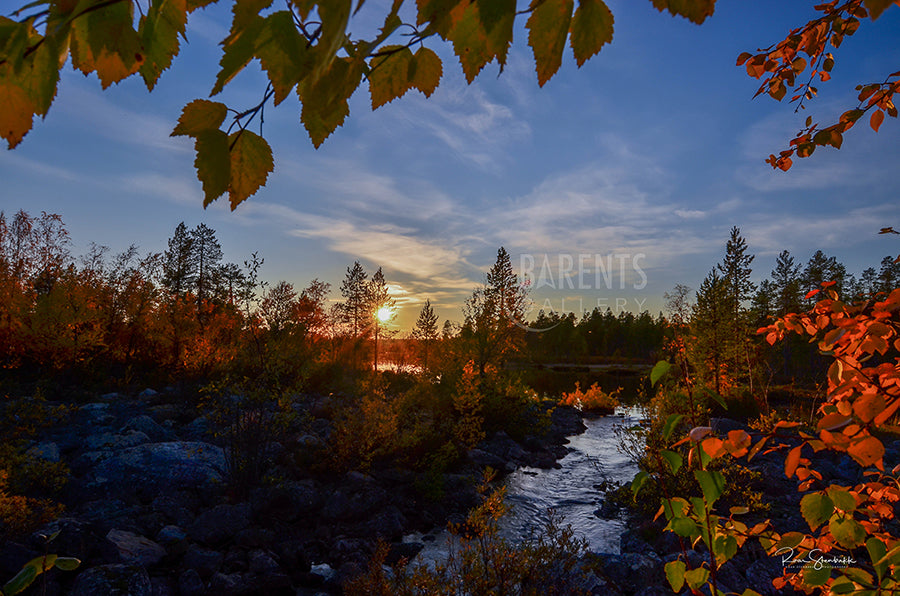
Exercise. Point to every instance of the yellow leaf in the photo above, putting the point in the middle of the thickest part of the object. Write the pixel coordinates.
(17, 112)
(251, 163)
(548, 27)
(592, 28)
(425, 71)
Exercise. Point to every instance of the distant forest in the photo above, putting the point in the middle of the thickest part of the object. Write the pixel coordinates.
(185, 314)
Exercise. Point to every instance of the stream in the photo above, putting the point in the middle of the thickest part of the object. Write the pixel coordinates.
(572, 491)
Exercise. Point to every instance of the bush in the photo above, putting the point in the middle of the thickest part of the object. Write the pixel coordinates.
(592, 400)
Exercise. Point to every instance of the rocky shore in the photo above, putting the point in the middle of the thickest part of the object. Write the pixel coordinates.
(149, 511)
(645, 548)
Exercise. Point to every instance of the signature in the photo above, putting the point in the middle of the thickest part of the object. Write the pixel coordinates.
(813, 557)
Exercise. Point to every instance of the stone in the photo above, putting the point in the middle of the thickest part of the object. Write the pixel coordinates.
(146, 469)
(135, 549)
(190, 584)
(47, 451)
(219, 524)
(147, 425)
(202, 560)
(113, 580)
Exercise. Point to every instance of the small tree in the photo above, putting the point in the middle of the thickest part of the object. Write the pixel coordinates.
(426, 331)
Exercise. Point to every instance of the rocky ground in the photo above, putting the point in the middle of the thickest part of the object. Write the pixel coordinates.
(148, 510)
(645, 549)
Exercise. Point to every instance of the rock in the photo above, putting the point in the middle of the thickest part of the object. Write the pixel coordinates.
(148, 393)
(115, 442)
(760, 574)
(287, 502)
(147, 425)
(136, 550)
(202, 560)
(483, 459)
(225, 585)
(76, 538)
(633, 572)
(113, 580)
(219, 524)
(403, 550)
(261, 562)
(173, 539)
(146, 469)
(190, 584)
(387, 524)
(48, 451)
(324, 571)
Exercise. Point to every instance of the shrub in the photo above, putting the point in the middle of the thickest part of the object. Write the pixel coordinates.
(592, 400)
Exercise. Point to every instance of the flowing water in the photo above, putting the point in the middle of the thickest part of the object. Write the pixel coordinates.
(574, 491)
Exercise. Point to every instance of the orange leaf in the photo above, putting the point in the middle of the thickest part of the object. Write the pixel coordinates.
(792, 461)
(867, 451)
(876, 119)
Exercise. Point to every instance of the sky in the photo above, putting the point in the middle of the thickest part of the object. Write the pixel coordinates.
(608, 186)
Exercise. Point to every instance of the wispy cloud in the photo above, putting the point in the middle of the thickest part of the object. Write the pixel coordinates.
(94, 111)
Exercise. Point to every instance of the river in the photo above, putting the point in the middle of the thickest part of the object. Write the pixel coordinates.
(572, 491)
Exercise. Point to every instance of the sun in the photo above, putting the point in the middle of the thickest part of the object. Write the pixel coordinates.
(384, 314)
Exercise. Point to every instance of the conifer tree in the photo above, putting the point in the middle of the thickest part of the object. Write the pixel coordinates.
(426, 331)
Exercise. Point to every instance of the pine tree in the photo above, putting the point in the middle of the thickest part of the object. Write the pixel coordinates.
(786, 281)
(712, 348)
(378, 298)
(819, 269)
(206, 254)
(426, 331)
(354, 289)
(736, 270)
(494, 315)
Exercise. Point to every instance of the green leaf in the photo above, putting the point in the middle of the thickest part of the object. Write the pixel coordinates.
(470, 42)
(675, 574)
(103, 40)
(592, 28)
(816, 509)
(711, 483)
(695, 11)
(159, 32)
(201, 115)
(425, 71)
(876, 7)
(684, 527)
(283, 53)
(389, 77)
(67, 563)
(251, 163)
(671, 424)
(660, 369)
(842, 498)
(238, 49)
(696, 577)
(816, 577)
(548, 27)
(213, 163)
(638, 482)
(674, 460)
(877, 551)
(847, 531)
(334, 15)
(725, 547)
(325, 101)
(21, 580)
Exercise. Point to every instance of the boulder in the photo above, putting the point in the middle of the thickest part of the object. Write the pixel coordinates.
(149, 468)
(113, 580)
(136, 550)
(219, 524)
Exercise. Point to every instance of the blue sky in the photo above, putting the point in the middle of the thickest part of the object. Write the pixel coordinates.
(641, 160)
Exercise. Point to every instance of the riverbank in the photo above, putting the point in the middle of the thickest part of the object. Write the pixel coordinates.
(148, 505)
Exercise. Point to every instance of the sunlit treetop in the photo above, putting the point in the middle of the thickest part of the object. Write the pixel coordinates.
(314, 50)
